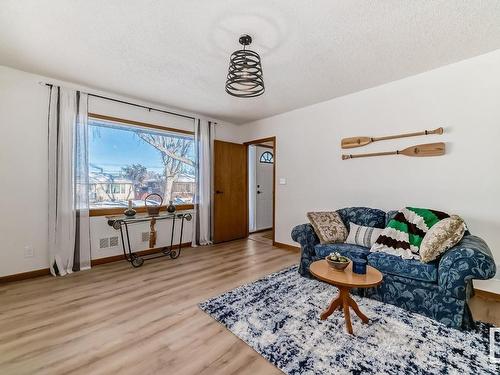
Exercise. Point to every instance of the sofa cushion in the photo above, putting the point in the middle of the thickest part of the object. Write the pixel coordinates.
(408, 268)
(365, 216)
(346, 249)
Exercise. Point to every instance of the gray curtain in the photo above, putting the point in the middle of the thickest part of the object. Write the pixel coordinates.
(204, 143)
(69, 229)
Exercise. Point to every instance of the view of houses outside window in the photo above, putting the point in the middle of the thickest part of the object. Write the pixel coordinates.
(130, 162)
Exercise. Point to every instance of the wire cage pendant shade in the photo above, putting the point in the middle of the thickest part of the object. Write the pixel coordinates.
(245, 78)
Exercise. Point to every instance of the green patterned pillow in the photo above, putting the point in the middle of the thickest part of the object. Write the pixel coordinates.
(405, 232)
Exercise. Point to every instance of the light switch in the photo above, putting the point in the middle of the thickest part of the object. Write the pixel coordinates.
(282, 181)
(29, 251)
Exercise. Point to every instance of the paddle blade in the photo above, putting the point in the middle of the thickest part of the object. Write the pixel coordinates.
(427, 149)
(355, 142)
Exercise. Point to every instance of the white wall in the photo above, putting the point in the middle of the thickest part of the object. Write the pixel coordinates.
(464, 98)
(23, 169)
(23, 172)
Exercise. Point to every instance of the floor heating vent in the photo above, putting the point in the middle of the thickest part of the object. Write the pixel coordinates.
(103, 243)
(113, 241)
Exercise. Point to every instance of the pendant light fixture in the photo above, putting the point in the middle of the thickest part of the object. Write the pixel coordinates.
(245, 78)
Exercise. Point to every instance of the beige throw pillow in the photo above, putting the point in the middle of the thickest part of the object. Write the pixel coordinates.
(441, 237)
(328, 226)
(363, 236)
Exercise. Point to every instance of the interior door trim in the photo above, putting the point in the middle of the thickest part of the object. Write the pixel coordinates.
(258, 142)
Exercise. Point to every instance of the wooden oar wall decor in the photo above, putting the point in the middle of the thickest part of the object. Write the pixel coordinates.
(428, 149)
(363, 141)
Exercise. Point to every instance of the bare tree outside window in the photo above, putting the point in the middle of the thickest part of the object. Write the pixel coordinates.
(174, 153)
(137, 173)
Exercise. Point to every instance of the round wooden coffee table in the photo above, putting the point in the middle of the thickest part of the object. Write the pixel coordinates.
(344, 281)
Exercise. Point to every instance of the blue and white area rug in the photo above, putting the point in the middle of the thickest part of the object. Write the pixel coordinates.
(278, 316)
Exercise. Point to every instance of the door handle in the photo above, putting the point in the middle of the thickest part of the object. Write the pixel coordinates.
(219, 192)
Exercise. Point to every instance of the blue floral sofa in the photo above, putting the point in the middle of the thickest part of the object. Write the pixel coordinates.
(439, 290)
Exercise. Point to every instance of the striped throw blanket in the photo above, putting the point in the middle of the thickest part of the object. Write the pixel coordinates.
(405, 232)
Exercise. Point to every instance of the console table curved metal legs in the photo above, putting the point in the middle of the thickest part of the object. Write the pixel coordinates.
(122, 224)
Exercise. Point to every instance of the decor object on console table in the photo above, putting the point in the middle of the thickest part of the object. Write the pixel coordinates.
(152, 232)
(171, 207)
(344, 281)
(130, 210)
(153, 209)
(439, 290)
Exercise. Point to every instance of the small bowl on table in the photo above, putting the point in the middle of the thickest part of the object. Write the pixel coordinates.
(337, 265)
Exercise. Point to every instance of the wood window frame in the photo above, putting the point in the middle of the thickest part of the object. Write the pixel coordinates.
(119, 210)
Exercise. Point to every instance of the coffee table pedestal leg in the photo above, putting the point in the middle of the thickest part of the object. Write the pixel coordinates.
(342, 302)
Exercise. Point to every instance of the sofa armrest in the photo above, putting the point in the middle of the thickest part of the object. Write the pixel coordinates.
(304, 234)
(470, 259)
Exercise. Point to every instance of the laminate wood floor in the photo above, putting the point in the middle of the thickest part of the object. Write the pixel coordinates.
(116, 319)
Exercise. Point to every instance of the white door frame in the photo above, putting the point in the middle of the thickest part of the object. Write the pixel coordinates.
(256, 142)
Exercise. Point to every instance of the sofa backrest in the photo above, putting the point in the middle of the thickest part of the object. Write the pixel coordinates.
(368, 217)
(390, 215)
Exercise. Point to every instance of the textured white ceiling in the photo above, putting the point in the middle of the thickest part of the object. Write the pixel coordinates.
(176, 52)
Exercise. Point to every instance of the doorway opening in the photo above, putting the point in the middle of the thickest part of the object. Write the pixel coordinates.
(261, 157)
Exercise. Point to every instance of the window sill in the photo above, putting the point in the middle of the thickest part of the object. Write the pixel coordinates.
(118, 211)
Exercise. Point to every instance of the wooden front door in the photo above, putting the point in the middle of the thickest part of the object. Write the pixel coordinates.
(230, 198)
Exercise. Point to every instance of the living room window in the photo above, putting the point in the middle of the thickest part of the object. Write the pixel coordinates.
(129, 160)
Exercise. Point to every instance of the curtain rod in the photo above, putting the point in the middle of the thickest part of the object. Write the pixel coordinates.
(133, 104)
